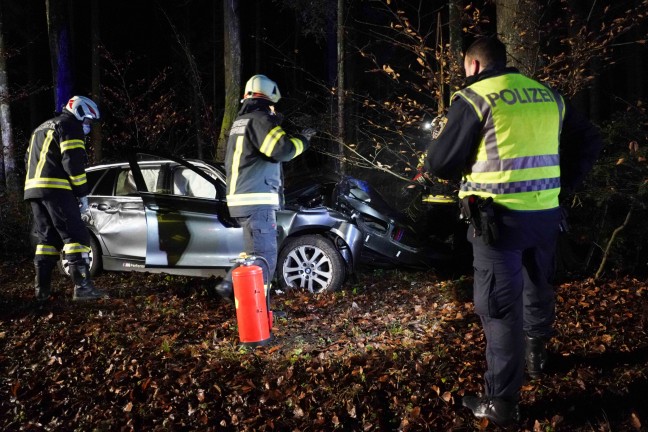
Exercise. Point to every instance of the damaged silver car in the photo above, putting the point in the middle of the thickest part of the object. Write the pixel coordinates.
(167, 214)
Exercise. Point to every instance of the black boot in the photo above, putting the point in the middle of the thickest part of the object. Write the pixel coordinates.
(536, 356)
(84, 289)
(43, 281)
(500, 411)
(225, 290)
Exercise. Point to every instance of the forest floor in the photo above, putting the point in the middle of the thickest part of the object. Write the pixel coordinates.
(393, 351)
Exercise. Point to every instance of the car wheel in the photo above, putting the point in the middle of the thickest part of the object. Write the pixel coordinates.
(94, 256)
(310, 262)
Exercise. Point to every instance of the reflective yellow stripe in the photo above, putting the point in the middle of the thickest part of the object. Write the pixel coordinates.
(470, 101)
(72, 144)
(236, 160)
(79, 180)
(43, 154)
(46, 250)
(299, 146)
(439, 199)
(267, 198)
(31, 147)
(271, 140)
(47, 183)
(71, 248)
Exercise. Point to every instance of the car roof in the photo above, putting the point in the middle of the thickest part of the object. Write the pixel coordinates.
(152, 162)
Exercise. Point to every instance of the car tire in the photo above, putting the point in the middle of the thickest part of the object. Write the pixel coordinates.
(312, 263)
(94, 256)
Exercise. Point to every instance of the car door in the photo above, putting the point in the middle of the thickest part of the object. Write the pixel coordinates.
(187, 223)
(117, 213)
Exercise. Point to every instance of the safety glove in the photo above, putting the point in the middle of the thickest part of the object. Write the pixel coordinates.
(308, 133)
(83, 204)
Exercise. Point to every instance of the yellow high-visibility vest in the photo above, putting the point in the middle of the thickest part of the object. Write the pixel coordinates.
(517, 162)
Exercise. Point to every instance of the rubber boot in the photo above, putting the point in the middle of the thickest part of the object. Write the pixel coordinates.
(225, 290)
(43, 280)
(536, 356)
(84, 289)
(498, 410)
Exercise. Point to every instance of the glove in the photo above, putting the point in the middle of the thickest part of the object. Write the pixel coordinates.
(308, 133)
(83, 205)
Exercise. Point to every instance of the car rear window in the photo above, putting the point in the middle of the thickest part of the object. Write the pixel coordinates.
(103, 181)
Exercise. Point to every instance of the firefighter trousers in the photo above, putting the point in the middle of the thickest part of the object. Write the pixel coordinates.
(513, 295)
(260, 239)
(58, 225)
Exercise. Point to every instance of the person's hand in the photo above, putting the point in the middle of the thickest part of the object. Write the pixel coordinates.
(83, 205)
(308, 133)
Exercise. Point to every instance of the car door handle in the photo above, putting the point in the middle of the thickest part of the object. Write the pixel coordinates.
(107, 209)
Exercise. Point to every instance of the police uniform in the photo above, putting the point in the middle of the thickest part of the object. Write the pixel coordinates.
(255, 149)
(515, 141)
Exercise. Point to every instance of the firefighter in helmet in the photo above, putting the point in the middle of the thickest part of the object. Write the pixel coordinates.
(256, 148)
(56, 189)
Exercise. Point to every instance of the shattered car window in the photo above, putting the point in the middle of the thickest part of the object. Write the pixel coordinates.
(187, 183)
(126, 183)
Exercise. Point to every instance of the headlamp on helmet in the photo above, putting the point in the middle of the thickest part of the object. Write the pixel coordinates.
(260, 86)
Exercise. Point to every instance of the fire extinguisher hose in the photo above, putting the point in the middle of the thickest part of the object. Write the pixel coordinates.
(267, 272)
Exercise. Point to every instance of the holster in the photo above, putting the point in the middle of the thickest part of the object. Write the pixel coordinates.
(479, 212)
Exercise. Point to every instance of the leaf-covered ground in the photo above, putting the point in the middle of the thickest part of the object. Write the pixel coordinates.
(393, 351)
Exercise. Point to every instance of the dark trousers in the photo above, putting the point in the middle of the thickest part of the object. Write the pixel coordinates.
(513, 294)
(58, 225)
(260, 239)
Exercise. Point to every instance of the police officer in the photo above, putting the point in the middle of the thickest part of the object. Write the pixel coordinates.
(503, 136)
(56, 189)
(256, 147)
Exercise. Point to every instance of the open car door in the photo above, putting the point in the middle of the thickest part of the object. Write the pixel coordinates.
(187, 221)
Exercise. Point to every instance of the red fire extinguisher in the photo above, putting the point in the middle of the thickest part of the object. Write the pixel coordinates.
(253, 313)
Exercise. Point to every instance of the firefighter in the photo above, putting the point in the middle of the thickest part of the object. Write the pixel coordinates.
(503, 137)
(56, 189)
(256, 147)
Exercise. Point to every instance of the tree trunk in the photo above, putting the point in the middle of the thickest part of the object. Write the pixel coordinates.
(341, 85)
(8, 175)
(60, 52)
(455, 32)
(517, 27)
(257, 39)
(96, 136)
(232, 63)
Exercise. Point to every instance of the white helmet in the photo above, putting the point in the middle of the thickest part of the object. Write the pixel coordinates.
(260, 86)
(82, 108)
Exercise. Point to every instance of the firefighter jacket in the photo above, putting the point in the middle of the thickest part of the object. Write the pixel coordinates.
(515, 140)
(56, 158)
(255, 149)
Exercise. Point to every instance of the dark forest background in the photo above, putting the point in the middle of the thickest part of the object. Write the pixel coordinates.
(367, 74)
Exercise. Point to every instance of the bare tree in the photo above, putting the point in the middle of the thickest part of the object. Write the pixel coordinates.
(8, 175)
(517, 27)
(341, 84)
(60, 50)
(97, 145)
(232, 63)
